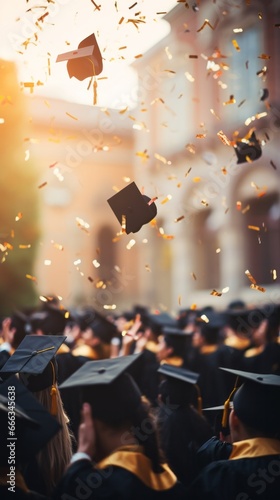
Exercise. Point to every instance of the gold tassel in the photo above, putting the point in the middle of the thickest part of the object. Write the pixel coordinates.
(227, 406)
(53, 392)
(199, 400)
(53, 400)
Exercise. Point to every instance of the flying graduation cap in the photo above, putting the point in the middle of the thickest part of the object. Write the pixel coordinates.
(132, 208)
(84, 62)
(248, 150)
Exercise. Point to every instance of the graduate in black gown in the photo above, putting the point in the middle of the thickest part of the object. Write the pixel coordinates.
(118, 456)
(252, 470)
(182, 428)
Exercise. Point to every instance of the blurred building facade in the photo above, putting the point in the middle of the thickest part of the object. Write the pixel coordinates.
(168, 144)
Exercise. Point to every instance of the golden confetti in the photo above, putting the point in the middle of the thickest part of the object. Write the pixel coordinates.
(200, 136)
(71, 116)
(169, 56)
(8, 245)
(230, 101)
(204, 318)
(196, 179)
(123, 225)
(147, 267)
(254, 228)
(224, 170)
(237, 30)
(225, 290)
(82, 224)
(168, 236)
(206, 23)
(187, 173)
(30, 277)
(251, 278)
(179, 218)
(238, 205)
(218, 250)
(27, 155)
(23, 247)
(263, 56)
(193, 276)
(189, 77)
(130, 244)
(205, 203)
(109, 306)
(193, 307)
(223, 138)
(18, 217)
(213, 113)
(138, 56)
(42, 185)
(96, 263)
(143, 155)
(47, 262)
(274, 274)
(160, 158)
(245, 209)
(215, 293)
(257, 287)
(152, 200)
(165, 200)
(57, 245)
(235, 44)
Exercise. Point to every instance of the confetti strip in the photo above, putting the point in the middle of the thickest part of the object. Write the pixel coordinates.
(71, 116)
(165, 200)
(274, 274)
(254, 228)
(223, 138)
(251, 278)
(215, 293)
(42, 185)
(235, 44)
(257, 287)
(30, 277)
(206, 23)
(179, 218)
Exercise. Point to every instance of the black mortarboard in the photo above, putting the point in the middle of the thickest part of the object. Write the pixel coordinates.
(33, 360)
(158, 321)
(257, 401)
(108, 387)
(178, 386)
(51, 320)
(84, 62)
(177, 339)
(104, 329)
(33, 354)
(32, 435)
(132, 209)
(248, 150)
(20, 322)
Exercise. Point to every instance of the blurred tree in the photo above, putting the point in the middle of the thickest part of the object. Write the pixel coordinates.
(19, 229)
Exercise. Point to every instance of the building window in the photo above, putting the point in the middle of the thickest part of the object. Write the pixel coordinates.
(262, 240)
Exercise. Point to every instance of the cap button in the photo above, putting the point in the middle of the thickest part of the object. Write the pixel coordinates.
(101, 370)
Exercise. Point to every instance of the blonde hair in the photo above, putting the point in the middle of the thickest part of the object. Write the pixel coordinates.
(54, 458)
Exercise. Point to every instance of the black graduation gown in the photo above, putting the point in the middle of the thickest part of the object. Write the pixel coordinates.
(19, 491)
(182, 431)
(124, 475)
(267, 361)
(251, 473)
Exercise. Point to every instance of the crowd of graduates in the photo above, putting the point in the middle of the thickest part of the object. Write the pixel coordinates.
(141, 404)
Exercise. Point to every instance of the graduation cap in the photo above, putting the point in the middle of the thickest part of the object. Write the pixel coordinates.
(177, 339)
(256, 402)
(248, 150)
(33, 360)
(51, 320)
(84, 62)
(102, 328)
(34, 424)
(132, 209)
(179, 385)
(108, 387)
(158, 321)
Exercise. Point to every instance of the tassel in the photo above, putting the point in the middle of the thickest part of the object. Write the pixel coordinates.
(227, 406)
(199, 400)
(53, 400)
(225, 414)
